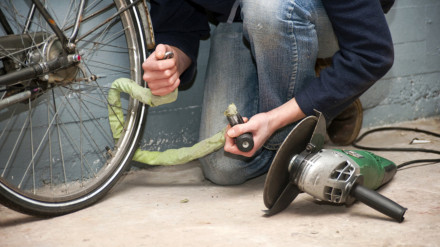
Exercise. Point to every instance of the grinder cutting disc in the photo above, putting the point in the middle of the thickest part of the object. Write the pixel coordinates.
(279, 191)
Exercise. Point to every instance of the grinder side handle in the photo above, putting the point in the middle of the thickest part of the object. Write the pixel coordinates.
(378, 202)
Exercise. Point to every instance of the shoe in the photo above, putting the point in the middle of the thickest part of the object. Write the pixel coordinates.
(345, 128)
(322, 63)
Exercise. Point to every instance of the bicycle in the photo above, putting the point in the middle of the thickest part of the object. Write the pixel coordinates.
(58, 59)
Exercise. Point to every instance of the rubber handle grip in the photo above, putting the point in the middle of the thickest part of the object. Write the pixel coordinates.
(244, 142)
(378, 202)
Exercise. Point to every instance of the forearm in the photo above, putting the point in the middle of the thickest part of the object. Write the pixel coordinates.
(179, 24)
(284, 115)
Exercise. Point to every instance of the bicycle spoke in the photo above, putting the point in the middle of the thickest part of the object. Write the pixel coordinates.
(91, 115)
(34, 152)
(96, 13)
(29, 18)
(7, 124)
(97, 44)
(50, 145)
(63, 166)
(78, 116)
(109, 45)
(15, 146)
(106, 65)
(116, 15)
(32, 145)
(108, 103)
(111, 106)
(81, 138)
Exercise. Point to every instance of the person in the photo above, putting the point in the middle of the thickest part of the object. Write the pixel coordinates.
(262, 58)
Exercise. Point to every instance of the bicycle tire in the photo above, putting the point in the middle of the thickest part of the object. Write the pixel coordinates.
(48, 185)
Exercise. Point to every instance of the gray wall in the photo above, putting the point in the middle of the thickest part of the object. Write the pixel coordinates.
(177, 124)
(409, 91)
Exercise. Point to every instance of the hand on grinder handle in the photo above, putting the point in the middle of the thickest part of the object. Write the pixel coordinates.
(260, 128)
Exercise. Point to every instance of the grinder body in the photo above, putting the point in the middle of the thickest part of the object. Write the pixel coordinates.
(329, 174)
(342, 176)
(375, 169)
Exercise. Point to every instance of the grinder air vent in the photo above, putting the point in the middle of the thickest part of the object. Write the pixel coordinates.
(343, 174)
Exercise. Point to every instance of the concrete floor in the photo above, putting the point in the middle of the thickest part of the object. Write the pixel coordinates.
(175, 206)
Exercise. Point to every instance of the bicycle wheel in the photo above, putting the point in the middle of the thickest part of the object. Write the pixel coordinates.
(57, 151)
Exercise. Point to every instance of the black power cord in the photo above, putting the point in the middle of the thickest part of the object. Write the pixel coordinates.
(356, 145)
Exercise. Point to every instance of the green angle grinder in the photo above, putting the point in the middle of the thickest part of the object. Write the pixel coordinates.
(338, 176)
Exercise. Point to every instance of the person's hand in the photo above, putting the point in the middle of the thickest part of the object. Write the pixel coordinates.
(162, 75)
(260, 128)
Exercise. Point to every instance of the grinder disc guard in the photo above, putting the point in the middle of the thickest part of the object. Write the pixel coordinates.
(279, 191)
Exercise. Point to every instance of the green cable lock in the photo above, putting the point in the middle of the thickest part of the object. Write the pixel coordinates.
(167, 157)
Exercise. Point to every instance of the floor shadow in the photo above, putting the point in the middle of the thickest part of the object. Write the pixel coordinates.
(19, 219)
(166, 179)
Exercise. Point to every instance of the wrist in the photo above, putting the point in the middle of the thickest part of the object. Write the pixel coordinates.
(182, 60)
(285, 114)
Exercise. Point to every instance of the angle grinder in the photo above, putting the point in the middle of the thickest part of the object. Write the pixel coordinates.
(333, 175)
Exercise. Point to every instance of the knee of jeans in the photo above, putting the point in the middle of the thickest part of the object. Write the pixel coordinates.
(267, 20)
(227, 174)
(259, 15)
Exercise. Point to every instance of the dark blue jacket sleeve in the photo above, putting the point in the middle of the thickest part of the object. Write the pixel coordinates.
(181, 24)
(366, 54)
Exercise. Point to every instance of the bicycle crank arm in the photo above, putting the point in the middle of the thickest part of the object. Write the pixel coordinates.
(39, 69)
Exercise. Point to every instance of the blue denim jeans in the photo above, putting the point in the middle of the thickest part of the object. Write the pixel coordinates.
(259, 65)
